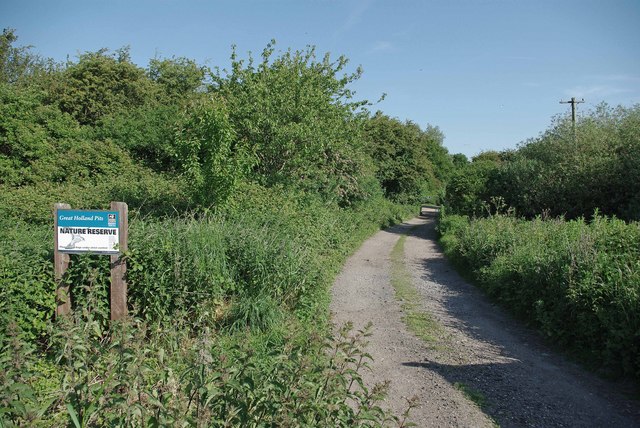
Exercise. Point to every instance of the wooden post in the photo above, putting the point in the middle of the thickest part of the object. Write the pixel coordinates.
(60, 263)
(119, 265)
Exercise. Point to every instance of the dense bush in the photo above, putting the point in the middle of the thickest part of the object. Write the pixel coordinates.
(575, 280)
(296, 120)
(578, 282)
(26, 278)
(466, 190)
(411, 163)
(250, 283)
(46, 157)
(562, 172)
(246, 193)
(189, 375)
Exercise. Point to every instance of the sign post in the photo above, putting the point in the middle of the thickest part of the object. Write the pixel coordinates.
(92, 232)
(60, 263)
(119, 265)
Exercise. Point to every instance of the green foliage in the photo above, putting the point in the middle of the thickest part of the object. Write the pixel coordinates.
(488, 156)
(562, 172)
(258, 311)
(410, 162)
(260, 273)
(100, 84)
(25, 398)
(203, 149)
(459, 160)
(177, 263)
(133, 375)
(228, 305)
(179, 77)
(476, 396)
(146, 192)
(26, 279)
(576, 282)
(16, 63)
(26, 128)
(147, 129)
(466, 190)
(294, 115)
(46, 157)
(147, 133)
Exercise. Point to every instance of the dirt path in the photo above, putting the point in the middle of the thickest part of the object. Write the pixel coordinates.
(477, 348)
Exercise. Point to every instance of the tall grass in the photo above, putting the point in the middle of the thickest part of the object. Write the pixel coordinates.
(228, 322)
(578, 282)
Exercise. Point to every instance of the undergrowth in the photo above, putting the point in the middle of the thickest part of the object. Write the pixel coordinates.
(244, 201)
(577, 282)
(228, 324)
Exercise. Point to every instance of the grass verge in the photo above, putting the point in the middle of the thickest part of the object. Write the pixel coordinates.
(476, 397)
(418, 321)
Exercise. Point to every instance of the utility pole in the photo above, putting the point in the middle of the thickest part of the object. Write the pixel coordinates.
(573, 103)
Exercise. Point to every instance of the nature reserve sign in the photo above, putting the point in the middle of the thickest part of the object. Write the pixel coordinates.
(87, 231)
(92, 232)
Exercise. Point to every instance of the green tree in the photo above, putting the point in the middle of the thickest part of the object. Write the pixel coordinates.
(15, 62)
(29, 132)
(433, 138)
(459, 160)
(466, 190)
(562, 173)
(146, 129)
(403, 155)
(625, 172)
(488, 156)
(204, 149)
(147, 132)
(100, 84)
(178, 77)
(296, 117)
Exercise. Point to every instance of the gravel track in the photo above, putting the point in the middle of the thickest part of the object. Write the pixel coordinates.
(521, 381)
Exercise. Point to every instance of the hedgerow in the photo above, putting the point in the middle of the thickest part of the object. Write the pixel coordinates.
(577, 281)
(242, 209)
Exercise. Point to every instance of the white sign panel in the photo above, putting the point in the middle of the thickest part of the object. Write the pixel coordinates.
(86, 231)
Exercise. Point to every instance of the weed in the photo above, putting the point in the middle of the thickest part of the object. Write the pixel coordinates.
(476, 396)
(420, 322)
(577, 282)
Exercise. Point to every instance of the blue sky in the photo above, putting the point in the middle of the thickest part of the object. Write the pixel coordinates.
(488, 73)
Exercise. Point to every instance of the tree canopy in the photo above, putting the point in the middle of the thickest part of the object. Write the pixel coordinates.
(411, 163)
(562, 172)
(286, 120)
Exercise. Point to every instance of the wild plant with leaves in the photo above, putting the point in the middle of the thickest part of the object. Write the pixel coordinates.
(247, 190)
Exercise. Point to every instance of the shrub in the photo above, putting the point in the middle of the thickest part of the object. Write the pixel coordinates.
(577, 282)
(227, 309)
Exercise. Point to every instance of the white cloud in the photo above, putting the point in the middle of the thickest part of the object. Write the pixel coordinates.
(625, 78)
(602, 86)
(596, 90)
(381, 46)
